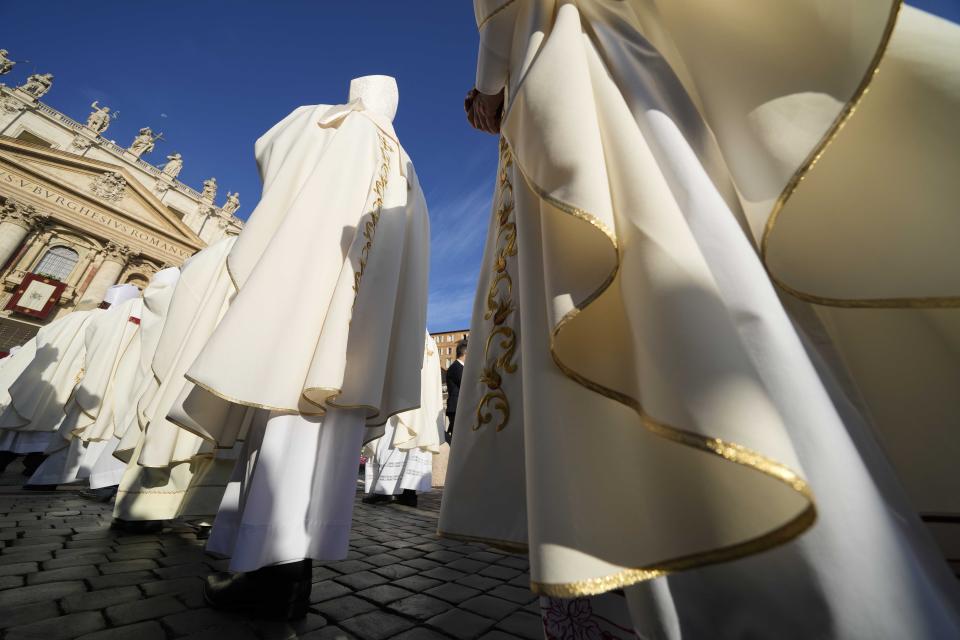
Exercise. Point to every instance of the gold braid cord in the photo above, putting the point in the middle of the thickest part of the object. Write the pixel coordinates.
(370, 226)
(501, 346)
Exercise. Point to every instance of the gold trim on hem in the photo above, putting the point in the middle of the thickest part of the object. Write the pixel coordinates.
(934, 302)
(504, 545)
(729, 451)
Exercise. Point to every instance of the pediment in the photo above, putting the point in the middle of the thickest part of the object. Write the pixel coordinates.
(60, 182)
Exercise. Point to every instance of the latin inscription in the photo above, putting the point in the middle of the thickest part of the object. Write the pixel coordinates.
(92, 214)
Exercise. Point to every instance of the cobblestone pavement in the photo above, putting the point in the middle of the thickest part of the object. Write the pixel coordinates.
(65, 574)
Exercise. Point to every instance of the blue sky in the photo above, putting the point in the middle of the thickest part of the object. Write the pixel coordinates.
(214, 75)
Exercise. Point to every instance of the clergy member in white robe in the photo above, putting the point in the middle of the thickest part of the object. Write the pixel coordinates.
(400, 462)
(325, 333)
(643, 413)
(172, 472)
(86, 431)
(35, 409)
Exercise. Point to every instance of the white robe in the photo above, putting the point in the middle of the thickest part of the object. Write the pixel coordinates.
(341, 337)
(402, 458)
(637, 402)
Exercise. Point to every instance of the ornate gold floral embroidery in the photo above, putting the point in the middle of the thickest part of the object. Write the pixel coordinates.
(501, 345)
(370, 226)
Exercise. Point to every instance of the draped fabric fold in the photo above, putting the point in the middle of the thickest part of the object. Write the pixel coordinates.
(341, 236)
(626, 335)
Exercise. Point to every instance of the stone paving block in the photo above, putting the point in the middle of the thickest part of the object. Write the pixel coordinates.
(421, 564)
(90, 600)
(126, 566)
(500, 572)
(523, 624)
(420, 633)
(395, 571)
(372, 549)
(382, 559)
(460, 624)
(182, 557)
(88, 544)
(198, 620)
(343, 608)
(443, 573)
(11, 582)
(361, 580)
(141, 631)
(407, 553)
(327, 590)
(145, 609)
(376, 625)
(443, 557)
(181, 571)
(416, 583)
(25, 614)
(127, 539)
(384, 594)
(85, 560)
(349, 566)
(62, 628)
(136, 554)
(38, 593)
(420, 606)
(25, 554)
(120, 579)
(18, 569)
(25, 546)
(483, 583)
(322, 573)
(497, 635)
(102, 550)
(513, 594)
(522, 581)
(399, 544)
(172, 587)
(455, 593)
(486, 556)
(515, 562)
(466, 565)
(59, 575)
(490, 607)
(328, 633)
(45, 542)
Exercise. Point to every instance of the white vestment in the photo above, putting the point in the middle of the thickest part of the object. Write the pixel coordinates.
(166, 462)
(402, 458)
(86, 433)
(637, 402)
(330, 347)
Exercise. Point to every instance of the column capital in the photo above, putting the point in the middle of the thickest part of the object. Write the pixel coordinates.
(118, 252)
(21, 214)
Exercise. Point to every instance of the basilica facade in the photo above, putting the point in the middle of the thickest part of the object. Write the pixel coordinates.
(80, 213)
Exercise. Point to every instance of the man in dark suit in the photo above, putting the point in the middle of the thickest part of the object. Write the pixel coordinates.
(454, 376)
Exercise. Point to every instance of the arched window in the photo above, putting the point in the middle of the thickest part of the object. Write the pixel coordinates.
(57, 263)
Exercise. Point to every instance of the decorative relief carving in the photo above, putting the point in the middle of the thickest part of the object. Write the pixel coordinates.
(38, 84)
(11, 104)
(19, 213)
(118, 252)
(109, 186)
(80, 142)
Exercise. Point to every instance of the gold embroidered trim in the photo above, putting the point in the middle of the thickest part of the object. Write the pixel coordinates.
(938, 302)
(500, 305)
(370, 226)
(727, 450)
(506, 545)
(492, 14)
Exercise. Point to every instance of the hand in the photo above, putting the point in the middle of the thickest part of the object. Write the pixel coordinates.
(484, 111)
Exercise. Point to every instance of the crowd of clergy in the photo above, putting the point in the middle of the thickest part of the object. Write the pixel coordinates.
(719, 292)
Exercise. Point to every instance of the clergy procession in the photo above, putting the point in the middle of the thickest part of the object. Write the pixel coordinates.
(710, 390)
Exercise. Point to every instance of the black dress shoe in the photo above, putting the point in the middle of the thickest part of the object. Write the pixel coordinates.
(376, 498)
(408, 498)
(138, 526)
(278, 591)
(31, 461)
(6, 457)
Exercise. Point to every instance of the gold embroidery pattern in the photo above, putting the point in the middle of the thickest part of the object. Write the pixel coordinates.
(370, 226)
(501, 345)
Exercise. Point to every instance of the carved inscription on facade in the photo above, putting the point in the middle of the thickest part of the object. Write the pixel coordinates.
(65, 201)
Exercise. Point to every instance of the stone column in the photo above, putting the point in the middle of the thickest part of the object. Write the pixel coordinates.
(16, 221)
(115, 258)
